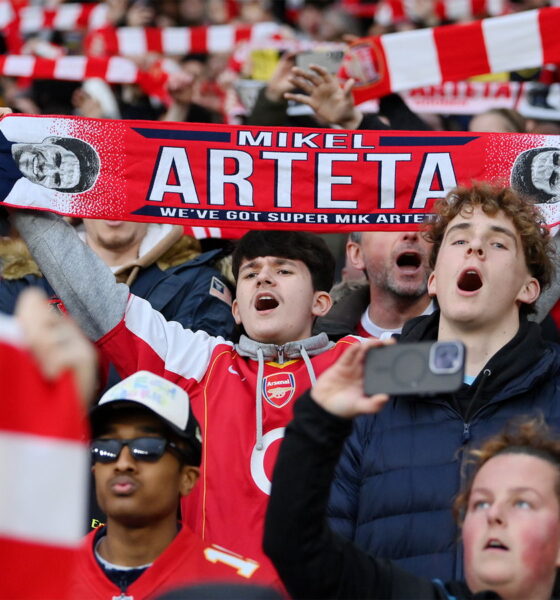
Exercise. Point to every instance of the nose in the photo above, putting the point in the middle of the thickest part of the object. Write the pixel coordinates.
(495, 514)
(125, 461)
(475, 247)
(265, 276)
(410, 236)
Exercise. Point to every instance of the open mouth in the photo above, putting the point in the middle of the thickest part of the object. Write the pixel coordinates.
(469, 281)
(495, 545)
(266, 303)
(409, 259)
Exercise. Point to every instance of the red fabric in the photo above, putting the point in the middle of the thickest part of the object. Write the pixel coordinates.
(555, 314)
(32, 571)
(549, 23)
(462, 51)
(25, 394)
(186, 561)
(206, 175)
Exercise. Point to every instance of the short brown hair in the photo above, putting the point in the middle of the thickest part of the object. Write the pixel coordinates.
(528, 222)
(532, 437)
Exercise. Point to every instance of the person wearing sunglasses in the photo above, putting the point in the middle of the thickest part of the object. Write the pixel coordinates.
(145, 452)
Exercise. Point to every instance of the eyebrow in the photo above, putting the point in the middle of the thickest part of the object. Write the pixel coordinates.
(255, 263)
(515, 490)
(493, 228)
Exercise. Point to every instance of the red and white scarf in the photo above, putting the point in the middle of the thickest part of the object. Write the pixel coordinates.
(322, 180)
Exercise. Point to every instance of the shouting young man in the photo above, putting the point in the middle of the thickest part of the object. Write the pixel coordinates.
(402, 467)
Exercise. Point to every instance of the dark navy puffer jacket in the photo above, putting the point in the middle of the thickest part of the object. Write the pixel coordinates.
(401, 468)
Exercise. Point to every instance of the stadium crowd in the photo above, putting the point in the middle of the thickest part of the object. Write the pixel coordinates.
(164, 383)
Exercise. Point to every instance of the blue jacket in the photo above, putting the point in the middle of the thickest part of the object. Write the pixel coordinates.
(181, 293)
(400, 469)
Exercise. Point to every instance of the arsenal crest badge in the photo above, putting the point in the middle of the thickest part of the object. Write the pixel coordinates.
(278, 388)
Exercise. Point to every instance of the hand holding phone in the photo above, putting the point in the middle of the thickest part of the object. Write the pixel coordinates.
(421, 368)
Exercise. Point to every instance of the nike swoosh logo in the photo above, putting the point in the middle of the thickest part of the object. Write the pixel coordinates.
(234, 372)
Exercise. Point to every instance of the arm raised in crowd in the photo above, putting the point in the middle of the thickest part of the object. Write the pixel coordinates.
(335, 103)
(312, 561)
(83, 281)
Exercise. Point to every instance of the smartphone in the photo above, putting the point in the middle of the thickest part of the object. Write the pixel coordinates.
(329, 59)
(423, 368)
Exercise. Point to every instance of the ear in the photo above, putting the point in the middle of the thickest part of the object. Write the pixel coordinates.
(432, 288)
(322, 303)
(530, 291)
(355, 255)
(235, 312)
(189, 476)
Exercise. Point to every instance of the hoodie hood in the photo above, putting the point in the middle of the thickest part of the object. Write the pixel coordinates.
(262, 353)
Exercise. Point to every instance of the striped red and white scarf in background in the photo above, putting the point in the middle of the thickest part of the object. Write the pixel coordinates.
(411, 59)
(388, 12)
(43, 475)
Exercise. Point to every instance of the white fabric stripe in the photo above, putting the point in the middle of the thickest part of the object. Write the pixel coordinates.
(19, 66)
(98, 16)
(44, 489)
(121, 70)
(176, 40)
(66, 16)
(495, 7)
(131, 40)
(183, 351)
(6, 14)
(513, 42)
(70, 67)
(215, 232)
(457, 9)
(261, 31)
(10, 331)
(220, 38)
(412, 59)
(199, 233)
(31, 19)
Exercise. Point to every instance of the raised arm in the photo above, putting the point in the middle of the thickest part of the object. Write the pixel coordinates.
(311, 560)
(80, 278)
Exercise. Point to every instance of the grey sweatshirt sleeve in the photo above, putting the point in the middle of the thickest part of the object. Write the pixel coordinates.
(83, 282)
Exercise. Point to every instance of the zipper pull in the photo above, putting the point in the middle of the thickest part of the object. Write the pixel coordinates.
(466, 432)
(280, 352)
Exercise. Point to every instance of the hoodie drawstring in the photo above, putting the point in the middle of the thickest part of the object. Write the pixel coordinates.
(260, 374)
(309, 366)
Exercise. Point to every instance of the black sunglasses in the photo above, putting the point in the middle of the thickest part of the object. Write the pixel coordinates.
(147, 449)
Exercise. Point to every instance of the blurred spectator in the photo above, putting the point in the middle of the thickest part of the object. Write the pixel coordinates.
(397, 269)
(498, 120)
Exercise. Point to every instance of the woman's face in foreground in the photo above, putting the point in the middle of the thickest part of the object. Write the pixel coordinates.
(511, 532)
